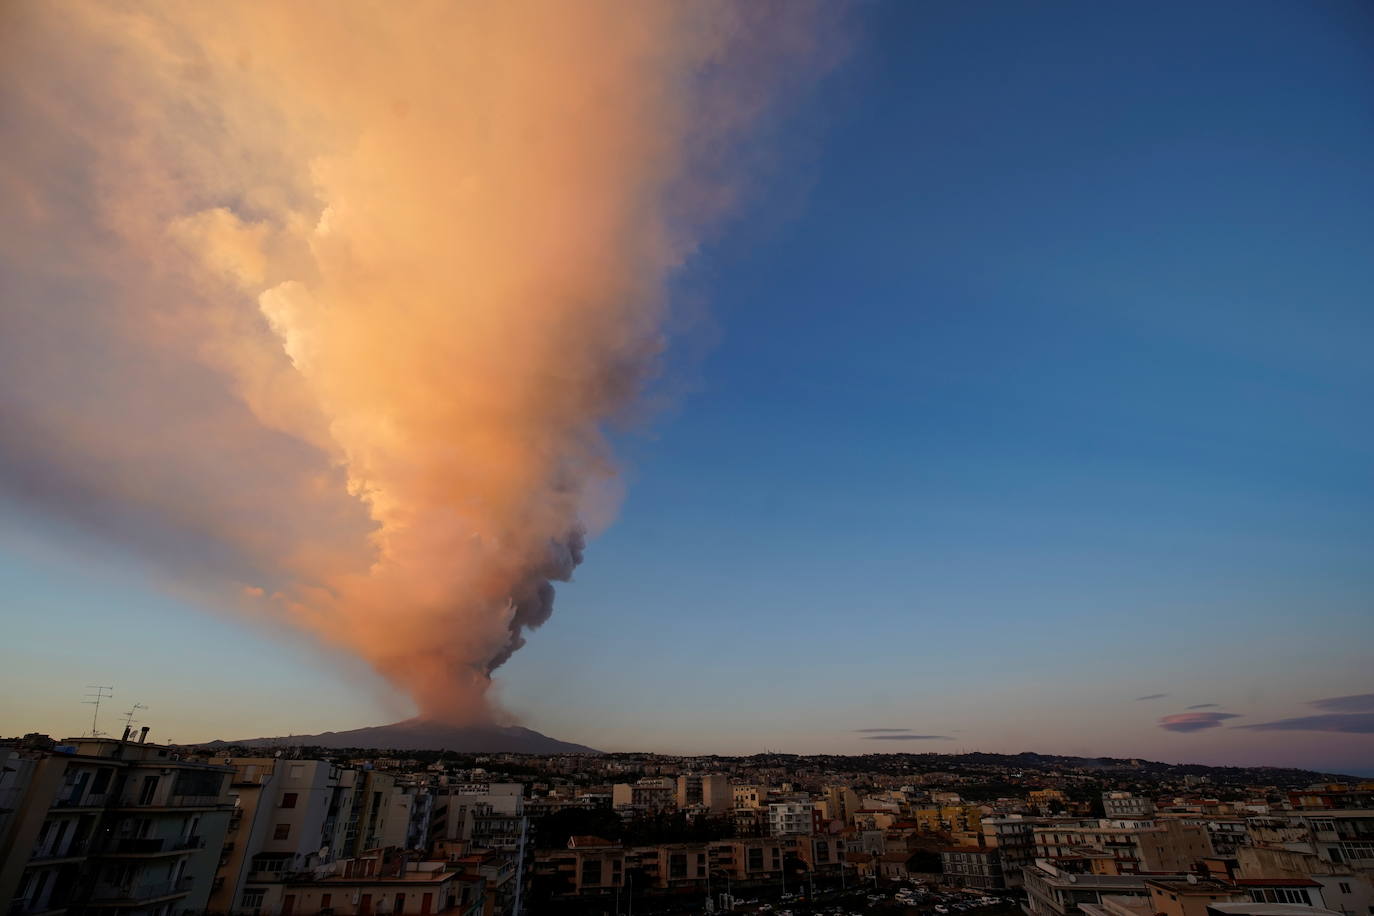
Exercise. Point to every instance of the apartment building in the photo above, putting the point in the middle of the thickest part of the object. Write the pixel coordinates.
(370, 794)
(1052, 891)
(1124, 806)
(973, 866)
(1190, 896)
(383, 882)
(747, 796)
(791, 818)
(593, 865)
(842, 802)
(1127, 847)
(114, 824)
(652, 793)
(1014, 839)
(933, 819)
(1329, 846)
(289, 816)
(712, 792)
(473, 818)
(822, 854)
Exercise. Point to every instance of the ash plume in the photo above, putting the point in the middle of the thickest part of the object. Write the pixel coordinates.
(323, 307)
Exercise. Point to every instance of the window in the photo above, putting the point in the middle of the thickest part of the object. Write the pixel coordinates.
(1279, 895)
(1345, 887)
(252, 899)
(288, 799)
(326, 900)
(282, 832)
(145, 797)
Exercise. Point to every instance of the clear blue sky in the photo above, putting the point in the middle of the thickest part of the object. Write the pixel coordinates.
(1037, 378)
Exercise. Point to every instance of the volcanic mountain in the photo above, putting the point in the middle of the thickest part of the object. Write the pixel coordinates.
(424, 735)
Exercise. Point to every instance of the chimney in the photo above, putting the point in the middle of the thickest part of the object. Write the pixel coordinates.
(127, 730)
(143, 734)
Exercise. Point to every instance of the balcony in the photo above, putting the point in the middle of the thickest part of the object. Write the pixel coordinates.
(175, 801)
(55, 904)
(75, 800)
(140, 894)
(138, 847)
(77, 849)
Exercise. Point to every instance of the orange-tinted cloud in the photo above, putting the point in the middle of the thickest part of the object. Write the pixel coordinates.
(323, 305)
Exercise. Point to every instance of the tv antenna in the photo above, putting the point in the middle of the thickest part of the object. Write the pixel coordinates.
(129, 719)
(93, 699)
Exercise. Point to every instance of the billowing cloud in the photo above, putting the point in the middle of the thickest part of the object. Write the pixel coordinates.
(1194, 721)
(1152, 696)
(1204, 706)
(908, 738)
(1351, 723)
(324, 306)
(1360, 702)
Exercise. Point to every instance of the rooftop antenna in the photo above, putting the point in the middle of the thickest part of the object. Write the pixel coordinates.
(93, 699)
(129, 719)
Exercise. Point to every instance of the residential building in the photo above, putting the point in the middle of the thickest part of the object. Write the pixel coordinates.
(1014, 839)
(114, 824)
(786, 818)
(1124, 847)
(1053, 891)
(286, 820)
(1124, 805)
(652, 793)
(489, 817)
(972, 866)
(712, 792)
(1190, 896)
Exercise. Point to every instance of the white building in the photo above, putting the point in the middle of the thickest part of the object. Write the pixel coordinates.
(790, 818)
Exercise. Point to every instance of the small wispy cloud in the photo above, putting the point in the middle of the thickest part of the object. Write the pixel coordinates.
(1348, 723)
(1194, 721)
(909, 737)
(1360, 702)
(1152, 696)
(1204, 706)
(863, 730)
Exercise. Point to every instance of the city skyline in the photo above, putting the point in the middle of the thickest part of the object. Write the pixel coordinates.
(1017, 400)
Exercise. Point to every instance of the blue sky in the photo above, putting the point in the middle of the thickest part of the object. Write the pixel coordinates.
(1036, 378)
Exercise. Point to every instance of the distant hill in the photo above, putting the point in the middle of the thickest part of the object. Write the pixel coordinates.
(423, 735)
(1032, 762)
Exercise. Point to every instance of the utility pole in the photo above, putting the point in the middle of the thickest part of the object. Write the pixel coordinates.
(93, 699)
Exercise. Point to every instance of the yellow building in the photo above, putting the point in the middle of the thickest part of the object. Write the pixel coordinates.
(953, 818)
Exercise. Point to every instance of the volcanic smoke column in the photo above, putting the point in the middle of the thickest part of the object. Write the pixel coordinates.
(351, 289)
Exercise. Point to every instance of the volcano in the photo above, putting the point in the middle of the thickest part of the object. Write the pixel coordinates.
(424, 735)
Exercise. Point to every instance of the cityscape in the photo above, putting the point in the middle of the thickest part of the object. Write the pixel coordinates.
(124, 824)
(686, 457)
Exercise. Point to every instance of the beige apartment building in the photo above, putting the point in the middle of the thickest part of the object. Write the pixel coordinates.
(949, 817)
(1129, 847)
(652, 793)
(288, 816)
(107, 823)
(384, 882)
(712, 792)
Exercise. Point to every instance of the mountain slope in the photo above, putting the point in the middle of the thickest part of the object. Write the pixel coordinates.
(422, 735)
